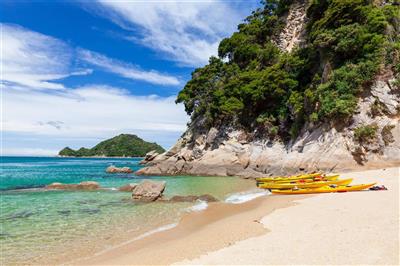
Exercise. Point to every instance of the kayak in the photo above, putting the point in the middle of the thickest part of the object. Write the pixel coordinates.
(284, 178)
(326, 189)
(314, 179)
(317, 184)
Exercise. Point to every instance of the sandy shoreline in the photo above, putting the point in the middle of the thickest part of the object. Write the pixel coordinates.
(344, 228)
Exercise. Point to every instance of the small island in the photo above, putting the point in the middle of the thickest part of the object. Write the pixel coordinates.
(124, 145)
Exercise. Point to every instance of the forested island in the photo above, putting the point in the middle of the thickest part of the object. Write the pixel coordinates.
(124, 145)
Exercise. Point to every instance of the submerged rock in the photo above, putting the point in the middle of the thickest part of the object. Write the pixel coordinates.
(64, 212)
(148, 190)
(191, 198)
(85, 185)
(90, 211)
(17, 215)
(127, 187)
(113, 169)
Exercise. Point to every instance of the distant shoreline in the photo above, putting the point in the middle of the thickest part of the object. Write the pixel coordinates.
(117, 157)
(61, 156)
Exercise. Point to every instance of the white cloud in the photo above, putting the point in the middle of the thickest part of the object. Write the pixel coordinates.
(88, 112)
(124, 69)
(31, 59)
(34, 60)
(186, 31)
(29, 152)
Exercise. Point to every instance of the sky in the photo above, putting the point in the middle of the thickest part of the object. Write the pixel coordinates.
(74, 73)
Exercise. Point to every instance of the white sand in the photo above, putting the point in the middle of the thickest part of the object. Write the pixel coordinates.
(339, 228)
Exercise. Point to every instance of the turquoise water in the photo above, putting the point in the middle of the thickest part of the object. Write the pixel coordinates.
(40, 226)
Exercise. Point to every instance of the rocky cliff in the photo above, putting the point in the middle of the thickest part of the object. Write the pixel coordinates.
(233, 152)
(369, 138)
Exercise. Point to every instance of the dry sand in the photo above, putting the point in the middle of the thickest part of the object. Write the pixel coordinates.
(340, 228)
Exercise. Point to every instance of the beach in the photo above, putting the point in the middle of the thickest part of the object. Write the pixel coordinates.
(338, 228)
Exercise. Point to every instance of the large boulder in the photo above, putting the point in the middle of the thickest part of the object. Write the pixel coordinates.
(148, 190)
(113, 169)
(85, 185)
(127, 187)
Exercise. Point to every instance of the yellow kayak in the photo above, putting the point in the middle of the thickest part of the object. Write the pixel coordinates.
(317, 184)
(313, 179)
(285, 178)
(326, 189)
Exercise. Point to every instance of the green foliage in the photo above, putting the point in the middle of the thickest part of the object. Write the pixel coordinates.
(254, 84)
(366, 133)
(124, 145)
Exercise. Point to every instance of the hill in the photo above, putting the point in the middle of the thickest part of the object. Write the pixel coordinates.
(124, 145)
(302, 85)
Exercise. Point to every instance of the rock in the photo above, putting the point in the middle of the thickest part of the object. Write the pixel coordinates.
(88, 185)
(382, 90)
(85, 185)
(250, 173)
(127, 187)
(211, 136)
(56, 185)
(208, 198)
(191, 198)
(148, 190)
(114, 169)
(150, 156)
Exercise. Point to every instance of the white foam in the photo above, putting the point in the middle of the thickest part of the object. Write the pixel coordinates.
(200, 206)
(146, 234)
(245, 196)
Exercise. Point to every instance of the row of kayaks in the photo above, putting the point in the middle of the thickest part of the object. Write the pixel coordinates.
(309, 184)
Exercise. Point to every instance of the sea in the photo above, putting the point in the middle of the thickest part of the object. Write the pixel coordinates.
(39, 226)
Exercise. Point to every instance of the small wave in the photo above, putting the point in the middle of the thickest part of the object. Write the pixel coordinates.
(148, 233)
(22, 188)
(242, 197)
(200, 206)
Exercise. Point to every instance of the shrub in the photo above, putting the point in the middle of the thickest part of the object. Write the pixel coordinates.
(366, 133)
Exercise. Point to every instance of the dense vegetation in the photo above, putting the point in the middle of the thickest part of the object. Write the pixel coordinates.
(124, 145)
(254, 85)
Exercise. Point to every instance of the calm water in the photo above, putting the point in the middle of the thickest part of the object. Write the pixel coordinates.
(52, 226)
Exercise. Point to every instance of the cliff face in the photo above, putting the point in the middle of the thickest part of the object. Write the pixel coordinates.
(227, 151)
(371, 138)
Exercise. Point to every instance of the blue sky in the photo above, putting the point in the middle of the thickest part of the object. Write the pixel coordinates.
(77, 72)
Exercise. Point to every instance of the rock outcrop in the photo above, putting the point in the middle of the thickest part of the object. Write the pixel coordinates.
(113, 169)
(293, 33)
(85, 185)
(149, 157)
(148, 190)
(128, 187)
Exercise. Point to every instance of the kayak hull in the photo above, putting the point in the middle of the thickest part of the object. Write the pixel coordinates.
(300, 181)
(317, 184)
(325, 189)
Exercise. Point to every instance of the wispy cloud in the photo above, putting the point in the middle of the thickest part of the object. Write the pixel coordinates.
(124, 69)
(187, 32)
(92, 111)
(34, 60)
